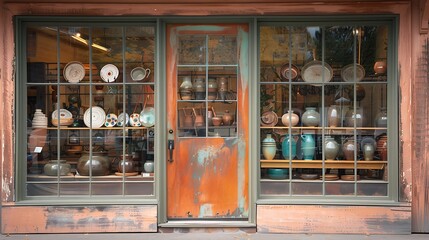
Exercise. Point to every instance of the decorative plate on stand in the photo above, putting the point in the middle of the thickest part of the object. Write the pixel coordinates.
(269, 118)
(111, 120)
(63, 113)
(123, 119)
(135, 120)
(94, 117)
(147, 117)
(74, 72)
(109, 73)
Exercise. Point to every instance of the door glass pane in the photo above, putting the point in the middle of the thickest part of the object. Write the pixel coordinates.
(90, 105)
(323, 109)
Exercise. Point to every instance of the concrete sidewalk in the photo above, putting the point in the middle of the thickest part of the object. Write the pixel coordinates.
(211, 236)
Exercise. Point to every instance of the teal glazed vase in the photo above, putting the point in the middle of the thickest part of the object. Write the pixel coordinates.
(308, 146)
(289, 147)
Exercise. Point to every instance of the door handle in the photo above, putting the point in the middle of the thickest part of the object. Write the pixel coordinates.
(170, 149)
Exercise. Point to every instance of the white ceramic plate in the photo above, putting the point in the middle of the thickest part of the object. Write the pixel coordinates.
(97, 115)
(109, 73)
(74, 72)
(123, 119)
(147, 117)
(135, 120)
(316, 72)
(64, 113)
(111, 120)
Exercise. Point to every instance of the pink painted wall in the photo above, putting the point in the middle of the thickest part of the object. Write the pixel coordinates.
(409, 53)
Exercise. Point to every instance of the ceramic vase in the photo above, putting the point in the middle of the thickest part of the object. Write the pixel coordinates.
(186, 88)
(308, 146)
(349, 147)
(289, 147)
(331, 148)
(290, 119)
(212, 89)
(380, 67)
(354, 116)
(53, 167)
(199, 88)
(310, 118)
(368, 151)
(382, 147)
(126, 164)
(227, 118)
(222, 87)
(381, 118)
(98, 165)
(333, 116)
(149, 166)
(269, 147)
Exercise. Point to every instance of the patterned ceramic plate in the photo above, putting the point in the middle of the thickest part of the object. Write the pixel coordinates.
(147, 117)
(135, 120)
(123, 119)
(109, 73)
(94, 117)
(64, 113)
(74, 72)
(269, 118)
(111, 120)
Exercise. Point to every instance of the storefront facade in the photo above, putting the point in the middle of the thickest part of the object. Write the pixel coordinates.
(275, 118)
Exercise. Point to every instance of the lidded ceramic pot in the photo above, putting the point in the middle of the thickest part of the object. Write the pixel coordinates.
(54, 166)
(290, 119)
(310, 118)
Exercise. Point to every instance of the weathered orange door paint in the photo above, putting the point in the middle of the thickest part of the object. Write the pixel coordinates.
(209, 176)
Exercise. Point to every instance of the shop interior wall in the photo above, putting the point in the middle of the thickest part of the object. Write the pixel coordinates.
(235, 7)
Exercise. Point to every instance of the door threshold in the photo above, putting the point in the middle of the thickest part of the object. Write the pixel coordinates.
(206, 224)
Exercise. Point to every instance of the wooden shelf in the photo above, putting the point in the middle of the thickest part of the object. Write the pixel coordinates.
(101, 128)
(338, 164)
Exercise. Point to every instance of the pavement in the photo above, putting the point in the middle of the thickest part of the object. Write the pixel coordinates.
(210, 236)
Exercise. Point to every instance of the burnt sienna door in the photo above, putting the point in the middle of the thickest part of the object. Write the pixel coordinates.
(207, 117)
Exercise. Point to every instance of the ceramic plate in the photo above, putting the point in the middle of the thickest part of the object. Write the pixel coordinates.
(135, 120)
(96, 115)
(123, 119)
(348, 73)
(289, 72)
(64, 113)
(269, 118)
(111, 120)
(74, 72)
(316, 72)
(109, 73)
(147, 117)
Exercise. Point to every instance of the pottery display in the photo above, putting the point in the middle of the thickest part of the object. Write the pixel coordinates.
(349, 148)
(331, 148)
(126, 164)
(289, 147)
(310, 118)
(99, 164)
(308, 146)
(54, 166)
(290, 119)
(149, 166)
(333, 116)
(354, 116)
(186, 88)
(269, 147)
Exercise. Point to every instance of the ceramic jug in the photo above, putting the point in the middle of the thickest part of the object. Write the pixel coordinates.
(308, 146)
(289, 147)
(311, 117)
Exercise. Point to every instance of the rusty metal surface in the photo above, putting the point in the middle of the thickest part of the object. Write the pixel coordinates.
(333, 219)
(79, 219)
(209, 177)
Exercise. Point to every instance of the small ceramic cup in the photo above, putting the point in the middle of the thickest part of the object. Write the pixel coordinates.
(140, 73)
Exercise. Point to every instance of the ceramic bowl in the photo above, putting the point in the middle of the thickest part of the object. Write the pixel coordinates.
(278, 173)
(217, 121)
